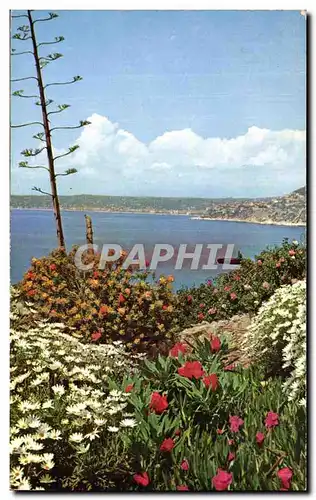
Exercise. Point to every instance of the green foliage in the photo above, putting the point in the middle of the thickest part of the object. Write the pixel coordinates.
(243, 290)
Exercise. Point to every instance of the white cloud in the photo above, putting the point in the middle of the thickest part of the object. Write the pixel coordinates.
(111, 159)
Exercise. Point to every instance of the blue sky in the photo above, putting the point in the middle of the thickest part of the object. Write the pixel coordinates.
(182, 103)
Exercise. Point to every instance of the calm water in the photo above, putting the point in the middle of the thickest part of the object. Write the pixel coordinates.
(33, 235)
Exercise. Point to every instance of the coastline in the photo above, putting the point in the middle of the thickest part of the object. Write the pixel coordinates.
(193, 217)
(264, 223)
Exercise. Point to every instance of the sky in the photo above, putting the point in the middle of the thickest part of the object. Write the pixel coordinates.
(181, 103)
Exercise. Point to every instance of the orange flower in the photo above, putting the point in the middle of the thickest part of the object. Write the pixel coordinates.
(103, 310)
(170, 278)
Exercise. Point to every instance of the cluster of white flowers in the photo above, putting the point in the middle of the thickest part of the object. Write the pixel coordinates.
(60, 399)
(279, 332)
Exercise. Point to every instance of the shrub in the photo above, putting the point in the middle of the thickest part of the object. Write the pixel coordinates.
(196, 419)
(64, 414)
(243, 290)
(277, 337)
(102, 306)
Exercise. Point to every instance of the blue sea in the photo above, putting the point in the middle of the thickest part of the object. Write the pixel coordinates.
(33, 235)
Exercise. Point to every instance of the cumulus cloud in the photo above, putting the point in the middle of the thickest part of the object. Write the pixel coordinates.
(182, 163)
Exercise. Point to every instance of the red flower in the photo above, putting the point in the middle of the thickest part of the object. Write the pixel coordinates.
(164, 307)
(52, 267)
(147, 263)
(95, 336)
(189, 299)
(231, 456)
(227, 288)
(285, 476)
(158, 403)
(259, 262)
(96, 274)
(215, 344)
(183, 487)
(272, 420)
(121, 298)
(191, 369)
(211, 380)
(260, 438)
(220, 431)
(233, 296)
(222, 480)
(185, 465)
(142, 479)
(202, 306)
(235, 423)
(292, 252)
(177, 348)
(167, 445)
(30, 293)
(177, 432)
(201, 316)
(129, 388)
(229, 368)
(103, 310)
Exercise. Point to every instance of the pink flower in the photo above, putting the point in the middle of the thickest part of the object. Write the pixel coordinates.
(189, 299)
(142, 478)
(202, 306)
(292, 252)
(215, 291)
(278, 264)
(185, 465)
(209, 282)
(231, 456)
(272, 420)
(285, 476)
(167, 445)
(183, 487)
(237, 277)
(201, 316)
(233, 296)
(229, 368)
(266, 285)
(231, 442)
(235, 423)
(222, 480)
(213, 310)
(95, 336)
(259, 262)
(215, 344)
(177, 348)
(227, 288)
(260, 438)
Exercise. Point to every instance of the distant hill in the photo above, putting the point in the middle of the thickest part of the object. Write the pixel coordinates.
(289, 209)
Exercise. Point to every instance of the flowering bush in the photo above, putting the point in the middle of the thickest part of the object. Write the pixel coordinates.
(64, 413)
(276, 337)
(239, 433)
(243, 290)
(103, 306)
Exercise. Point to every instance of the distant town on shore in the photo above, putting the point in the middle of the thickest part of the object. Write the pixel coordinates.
(288, 209)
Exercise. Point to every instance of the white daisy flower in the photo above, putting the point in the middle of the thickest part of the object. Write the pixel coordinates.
(58, 389)
(113, 429)
(128, 422)
(77, 437)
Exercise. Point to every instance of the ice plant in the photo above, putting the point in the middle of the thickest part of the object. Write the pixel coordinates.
(177, 348)
(182, 487)
(260, 437)
(285, 476)
(129, 387)
(191, 369)
(211, 381)
(222, 480)
(184, 465)
(272, 420)
(142, 479)
(235, 423)
(158, 403)
(167, 445)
